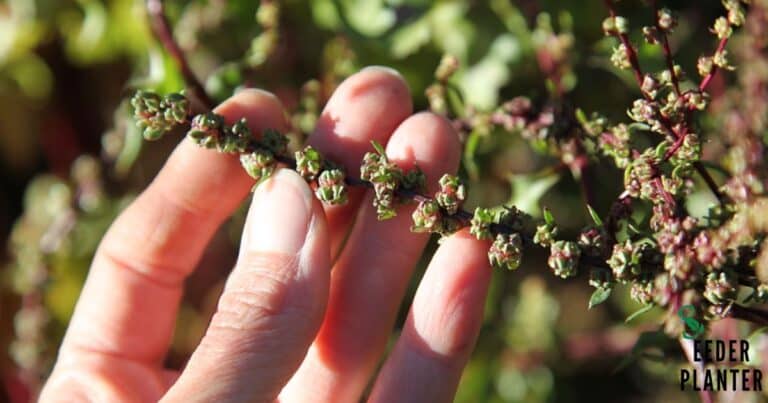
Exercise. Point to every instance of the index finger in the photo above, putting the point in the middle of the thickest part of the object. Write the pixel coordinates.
(130, 300)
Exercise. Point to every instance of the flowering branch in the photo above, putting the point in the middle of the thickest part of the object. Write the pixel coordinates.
(678, 262)
(625, 56)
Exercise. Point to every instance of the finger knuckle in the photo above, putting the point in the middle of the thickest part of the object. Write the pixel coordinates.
(261, 296)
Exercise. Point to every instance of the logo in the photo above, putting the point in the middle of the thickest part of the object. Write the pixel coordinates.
(687, 314)
(715, 361)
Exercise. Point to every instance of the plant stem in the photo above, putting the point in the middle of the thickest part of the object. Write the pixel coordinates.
(162, 30)
(624, 38)
(638, 72)
(667, 50)
(708, 78)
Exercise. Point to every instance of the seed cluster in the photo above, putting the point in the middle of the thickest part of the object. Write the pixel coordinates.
(392, 186)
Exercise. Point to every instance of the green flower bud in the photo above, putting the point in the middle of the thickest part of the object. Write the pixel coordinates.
(650, 86)
(644, 111)
(506, 252)
(720, 287)
(206, 129)
(624, 261)
(722, 28)
(370, 165)
(157, 115)
(593, 241)
(651, 35)
(308, 163)
(145, 102)
(386, 178)
(331, 188)
(259, 164)
(237, 138)
(721, 60)
(666, 20)
(545, 234)
(620, 57)
(177, 108)
(697, 100)
(384, 199)
(451, 194)
(480, 225)
(564, 258)
(427, 217)
(735, 12)
(689, 151)
(705, 65)
(615, 25)
(642, 292)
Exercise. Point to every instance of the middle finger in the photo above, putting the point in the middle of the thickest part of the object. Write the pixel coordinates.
(371, 275)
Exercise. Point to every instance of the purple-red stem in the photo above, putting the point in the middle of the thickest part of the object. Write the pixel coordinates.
(667, 50)
(162, 30)
(708, 78)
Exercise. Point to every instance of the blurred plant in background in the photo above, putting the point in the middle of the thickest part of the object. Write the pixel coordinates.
(67, 137)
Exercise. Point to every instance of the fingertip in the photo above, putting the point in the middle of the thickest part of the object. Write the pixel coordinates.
(366, 107)
(429, 141)
(448, 313)
(262, 109)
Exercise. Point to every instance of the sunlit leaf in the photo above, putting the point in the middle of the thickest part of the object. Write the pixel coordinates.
(599, 296)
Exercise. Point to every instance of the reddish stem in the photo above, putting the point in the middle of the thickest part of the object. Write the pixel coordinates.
(665, 122)
(667, 50)
(162, 30)
(708, 78)
(631, 53)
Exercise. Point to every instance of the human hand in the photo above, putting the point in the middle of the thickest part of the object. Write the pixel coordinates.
(308, 309)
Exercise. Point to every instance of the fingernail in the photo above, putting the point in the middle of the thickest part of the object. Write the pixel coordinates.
(280, 214)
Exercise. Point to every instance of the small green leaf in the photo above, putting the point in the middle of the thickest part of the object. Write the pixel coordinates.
(581, 117)
(378, 147)
(548, 217)
(599, 296)
(595, 217)
(661, 149)
(633, 227)
(639, 312)
(639, 127)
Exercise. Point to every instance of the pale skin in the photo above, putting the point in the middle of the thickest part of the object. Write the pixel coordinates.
(305, 315)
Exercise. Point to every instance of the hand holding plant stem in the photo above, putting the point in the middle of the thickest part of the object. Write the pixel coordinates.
(305, 325)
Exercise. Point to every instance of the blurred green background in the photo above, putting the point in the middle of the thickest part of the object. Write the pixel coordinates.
(71, 159)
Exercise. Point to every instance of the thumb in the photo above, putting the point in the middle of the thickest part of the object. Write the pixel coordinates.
(273, 302)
